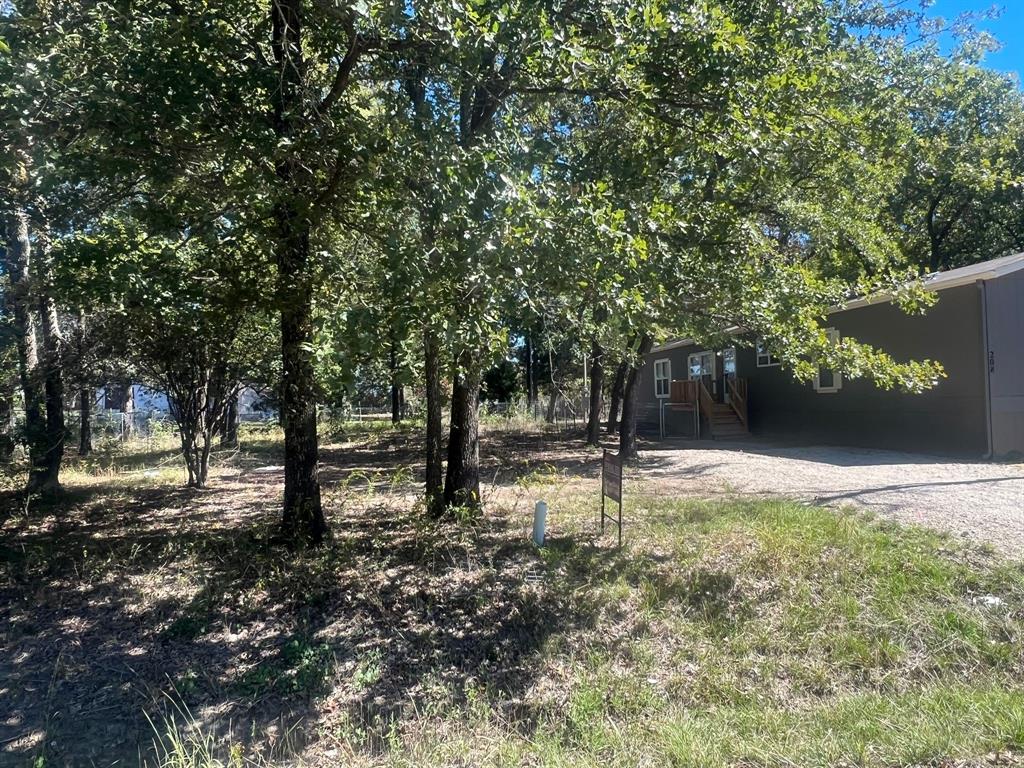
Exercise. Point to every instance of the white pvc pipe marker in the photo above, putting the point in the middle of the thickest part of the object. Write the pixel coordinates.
(540, 518)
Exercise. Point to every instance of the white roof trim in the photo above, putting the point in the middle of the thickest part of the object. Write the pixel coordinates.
(936, 281)
(954, 278)
(674, 344)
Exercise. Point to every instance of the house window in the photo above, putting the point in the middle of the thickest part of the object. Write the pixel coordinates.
(662, 377)
(828, 380)
(701, 364)
(765, 359)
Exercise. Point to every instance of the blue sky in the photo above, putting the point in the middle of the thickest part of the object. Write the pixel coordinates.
(1008, 29)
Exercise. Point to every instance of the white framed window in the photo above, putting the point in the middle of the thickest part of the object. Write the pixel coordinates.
(826, 379)
(700, 364)
(765, 359)
(662, 377)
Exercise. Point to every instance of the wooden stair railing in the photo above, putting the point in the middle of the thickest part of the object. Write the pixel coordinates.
(683, 391)
(738, 399)
(706, 403)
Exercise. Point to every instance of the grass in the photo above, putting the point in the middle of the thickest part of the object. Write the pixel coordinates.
(724, 633)
(747, 633)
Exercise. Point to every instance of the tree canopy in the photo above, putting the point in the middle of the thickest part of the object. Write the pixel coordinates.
(421, 186)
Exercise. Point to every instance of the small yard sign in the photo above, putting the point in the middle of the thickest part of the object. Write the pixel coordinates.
(611, 488)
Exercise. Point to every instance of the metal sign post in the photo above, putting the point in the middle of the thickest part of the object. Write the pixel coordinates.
(611, 487)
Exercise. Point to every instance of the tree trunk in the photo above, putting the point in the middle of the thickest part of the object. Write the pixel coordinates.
(21, 306)
(303, 518)
(618, 384)
(462, 480)
(549, 416)
(188, 451)
(303, 521)
(229, 431)
(203, 463)
(195, 447)
(85, 396)
(434, 472)
(531, 384)
(128, 412)
(596, 392)
(7, 443)
(627, 430)
(56, 431)
(934, 255)
(396, 389)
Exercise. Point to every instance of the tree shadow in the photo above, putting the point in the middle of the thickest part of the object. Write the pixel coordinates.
(803, 450)
(114, 615)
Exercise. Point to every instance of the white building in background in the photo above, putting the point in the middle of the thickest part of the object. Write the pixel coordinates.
(146, 402)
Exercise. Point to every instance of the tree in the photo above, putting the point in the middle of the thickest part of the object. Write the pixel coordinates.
(184, 311)
(749, 191)
(28, 38)
(272, 122)
(962, 192)
(627, 430)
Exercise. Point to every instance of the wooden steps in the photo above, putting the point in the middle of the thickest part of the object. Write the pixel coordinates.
(725, 424)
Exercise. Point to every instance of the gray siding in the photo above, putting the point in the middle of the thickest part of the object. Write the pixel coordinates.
(949, 419)
(1005, 300)
(677, 423)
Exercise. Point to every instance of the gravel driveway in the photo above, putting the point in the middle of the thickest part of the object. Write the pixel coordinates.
(983, 502)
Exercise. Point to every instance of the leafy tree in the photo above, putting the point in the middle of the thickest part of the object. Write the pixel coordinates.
(28, 36)
(501, 382)
(962, 193)
(184, 311)
(735, 165)
(267, 109)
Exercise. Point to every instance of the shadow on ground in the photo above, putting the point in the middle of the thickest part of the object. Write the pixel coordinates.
(120, 606)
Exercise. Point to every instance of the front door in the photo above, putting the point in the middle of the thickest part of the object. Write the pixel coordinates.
(728, 370)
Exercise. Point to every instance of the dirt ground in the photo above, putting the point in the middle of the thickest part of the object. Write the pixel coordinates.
(130, 597)
(978, 501)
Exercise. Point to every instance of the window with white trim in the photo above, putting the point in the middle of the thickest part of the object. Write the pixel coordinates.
(828, 380)
(662, 377)
(765, 359)
(700, 364)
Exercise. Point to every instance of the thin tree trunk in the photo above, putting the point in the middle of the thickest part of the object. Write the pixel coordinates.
(85, 396)
(188, 442)
(19, 257)
(128, 412)
(596, 393)
(627, 430)
(618, 384)
(229, 432)
(204, 457)
(432, 373)
(553, 394)
(462, 480)
(396, 390)
(56, 431)
(531, 384)
(7, 443)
